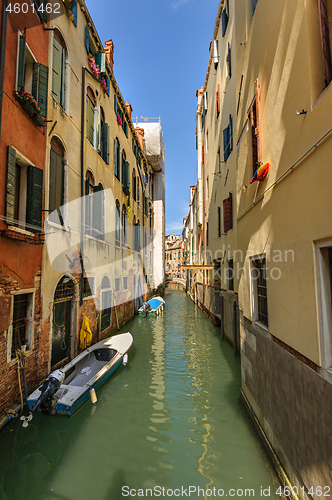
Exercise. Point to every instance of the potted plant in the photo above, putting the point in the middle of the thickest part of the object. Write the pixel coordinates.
(126, 189)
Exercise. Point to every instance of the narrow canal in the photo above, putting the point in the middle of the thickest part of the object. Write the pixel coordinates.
(170, 419)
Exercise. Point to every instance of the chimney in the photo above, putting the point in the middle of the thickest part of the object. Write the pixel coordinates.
(140, 135)
(129, 109)
(109, 51)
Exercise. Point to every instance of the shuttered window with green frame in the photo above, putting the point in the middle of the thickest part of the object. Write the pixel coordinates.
(40, 86)
(125, 173)
(58, 72)
(34, 212)
(105, 142)
(11, 184)
(146, 206)
(90, 117)
(98, 211)
(56, 186)
(21, 61)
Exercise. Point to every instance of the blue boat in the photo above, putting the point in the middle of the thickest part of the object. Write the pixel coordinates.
(66, 390)
(153, 306)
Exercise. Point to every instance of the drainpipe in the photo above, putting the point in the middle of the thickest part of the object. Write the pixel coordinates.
(3, 53)
(82, 182)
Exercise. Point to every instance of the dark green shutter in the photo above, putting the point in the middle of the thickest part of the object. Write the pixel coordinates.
(134, 145)
(229, 61)
(126, 174)
(230, 127)
(87, 39)
(89, 120)
(105, 136)
(253, 6)
(11, 183)
(226, 142)
(58, 72)
(116, 166)
(115, 103)
(97, 210)
(73, 8)
(40, 86)
(34, 198)
(108, 83)
(56, 186)
(224, 19)
(21, 61)
(146, 206)
(100, 59)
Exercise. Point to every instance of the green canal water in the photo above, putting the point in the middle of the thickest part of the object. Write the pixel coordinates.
(169, 424)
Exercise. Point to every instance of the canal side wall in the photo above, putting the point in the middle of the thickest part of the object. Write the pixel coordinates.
(292, 404)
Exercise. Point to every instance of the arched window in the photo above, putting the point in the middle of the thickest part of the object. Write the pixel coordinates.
(90, 116)
(94, 207)
(134, 185)
(106, 303)
(124, 224)
(117, 223)
(57, 179)
(117, 158)
(59, 68)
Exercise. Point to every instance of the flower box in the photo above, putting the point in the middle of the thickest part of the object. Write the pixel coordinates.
(30, 106)
(126, 190)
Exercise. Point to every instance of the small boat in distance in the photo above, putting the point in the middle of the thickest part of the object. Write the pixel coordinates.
(153, 306)
(66, 390)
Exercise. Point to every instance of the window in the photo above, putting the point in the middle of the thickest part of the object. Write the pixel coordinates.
(106, 303)
(124, 224)
(207, 233)
(117, 158)
(24, 192)
(228, 213)
(22, 322)
(125, 171)
(324, 295)
(88, 286)
(32, 77)
(217, 102)
(325, 40)
(125, 283)
(117, 223)
(90, 116)
(253, 7)
(56, 186)
(134, 184)
(228, 139)
(230, 275)
(215, 53)
(225, 17)
(94, 207)
(219, 222)
(258, 276)
(254, 119)
(117, 284)
(228, 62)
(58, 68)
(103, 137)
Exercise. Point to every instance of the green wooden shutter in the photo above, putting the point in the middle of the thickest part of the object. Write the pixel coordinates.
(73, 8)
(108, 84)
(34, 198)
(230, 127)
(56, 186)
(100, 59)
(97, 210)
(115, 103)
(126, 174)
(87, 39)
(229, 61)
(21, 61)
(226, 142)
(11, 183)
(116, 166)
(58, 72)
(40, 86)
(105, 136)
(146, 206)
(89, 120)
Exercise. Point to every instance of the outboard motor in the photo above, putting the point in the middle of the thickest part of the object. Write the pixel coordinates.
(146, 309)
(49, 387)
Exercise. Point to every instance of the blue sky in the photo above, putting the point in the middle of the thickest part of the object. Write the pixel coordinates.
(161, 50)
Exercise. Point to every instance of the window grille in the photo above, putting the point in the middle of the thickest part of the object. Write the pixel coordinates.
(117, 284)
(261, 291)
(64, 290)
(19, 322)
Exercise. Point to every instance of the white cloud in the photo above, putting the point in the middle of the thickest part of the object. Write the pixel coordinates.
(180, 3)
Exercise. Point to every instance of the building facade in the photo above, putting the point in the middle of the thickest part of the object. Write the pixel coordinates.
(96, 206)
(173, 255)
(266, 214)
